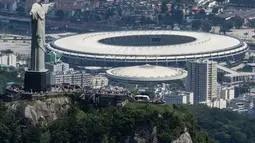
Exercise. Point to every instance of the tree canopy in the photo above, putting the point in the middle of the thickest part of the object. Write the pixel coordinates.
(21, 9)
(128, 123)
(225, 126)
(113, 124)
(125, 123)
(60, 14)
(8, 76)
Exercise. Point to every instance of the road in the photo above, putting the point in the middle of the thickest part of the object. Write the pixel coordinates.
(248, 15)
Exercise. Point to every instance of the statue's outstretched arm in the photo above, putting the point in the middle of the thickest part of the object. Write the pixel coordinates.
(47, 7)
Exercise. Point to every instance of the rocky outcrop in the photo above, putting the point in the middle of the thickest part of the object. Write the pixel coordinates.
(145, 136)
(47, 109)
(184, 138)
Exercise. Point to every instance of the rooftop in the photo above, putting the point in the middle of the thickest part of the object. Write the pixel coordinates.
(147, 73)
(109, 43)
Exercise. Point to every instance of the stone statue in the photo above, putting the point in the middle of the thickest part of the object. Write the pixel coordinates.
(37, 13)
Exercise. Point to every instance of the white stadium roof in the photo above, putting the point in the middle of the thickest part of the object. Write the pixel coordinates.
(146, 73)
(89, 43)
(155, 47)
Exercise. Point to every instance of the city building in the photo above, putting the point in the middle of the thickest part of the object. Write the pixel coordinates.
(57, 66)
(202, 80)
(71, 77)
(8, 59)
(232, 77)
(111, 95)
(52, 57)
(9, 5)
(251, 98)
(99, 81)
(68, 77)
(242, 104)
(178, 97)
(216, 103)
(57, 78)
(4, 59)
(227, 93)
(242, 3)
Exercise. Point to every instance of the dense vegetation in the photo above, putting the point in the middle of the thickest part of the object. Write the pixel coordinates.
(129, 123)
(245, 69)
(225, 126)
(125, 123)
(105, 125)
(8, 76)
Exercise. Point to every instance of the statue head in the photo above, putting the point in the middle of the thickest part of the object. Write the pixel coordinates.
(40, 1)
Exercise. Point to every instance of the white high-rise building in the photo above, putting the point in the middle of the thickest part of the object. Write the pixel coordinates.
(71, 77)
(202, 80)
(12, 60)
(99, 81)
(86, 79)
(3, 59)
(8, 59)
(57, 66)
(178, 97)
(227, 93)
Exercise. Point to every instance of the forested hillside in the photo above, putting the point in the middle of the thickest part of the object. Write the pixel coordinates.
(8, 76)
(225, 126)
(131, 123)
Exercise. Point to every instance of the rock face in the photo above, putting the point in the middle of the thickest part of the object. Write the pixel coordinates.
(184, 138)
(152, 137)
(145, 136)
(47, 109)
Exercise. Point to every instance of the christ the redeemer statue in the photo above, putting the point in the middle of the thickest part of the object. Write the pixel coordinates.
(37, 79)
(37, 13)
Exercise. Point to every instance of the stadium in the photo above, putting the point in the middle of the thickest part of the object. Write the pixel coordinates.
(145, 73)
(157, 47)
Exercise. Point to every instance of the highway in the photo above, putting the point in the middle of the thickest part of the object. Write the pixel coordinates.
(250, 14)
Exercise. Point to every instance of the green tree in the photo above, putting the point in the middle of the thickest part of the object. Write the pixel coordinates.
(196, 24)
(168, 20)
(238, 22)
(60, 14)
(125, 123)
(8, 76)
(238, 137)
(178, 16)
(206, 26)
(9, 126)
(109, 13)
(7, 51)
(220, 77)
(252, 23)
(21, 10)
(202, 13)
(215, 10)
(222, 137)
(224, 126)
(143, 20)
(164, 7)
(227, 25)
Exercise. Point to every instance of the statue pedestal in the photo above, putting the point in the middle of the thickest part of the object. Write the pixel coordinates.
(37, 81)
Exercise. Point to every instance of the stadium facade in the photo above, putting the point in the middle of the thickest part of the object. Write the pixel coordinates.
(164, 48)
